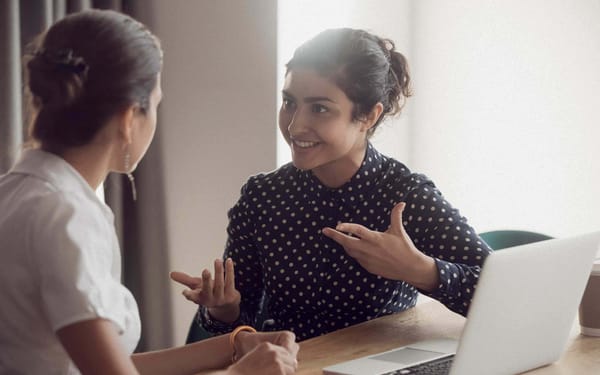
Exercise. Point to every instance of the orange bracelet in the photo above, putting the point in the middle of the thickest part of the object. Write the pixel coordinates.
(232, 336)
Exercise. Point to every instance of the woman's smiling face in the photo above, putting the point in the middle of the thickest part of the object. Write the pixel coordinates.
(316, 121)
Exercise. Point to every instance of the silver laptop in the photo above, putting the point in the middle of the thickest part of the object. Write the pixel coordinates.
(520, 317)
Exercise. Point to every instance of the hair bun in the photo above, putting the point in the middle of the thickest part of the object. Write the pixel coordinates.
(64, 59)
(57, 77)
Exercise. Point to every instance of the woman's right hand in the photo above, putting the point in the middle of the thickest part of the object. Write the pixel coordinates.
(266, 359)
(219, 295)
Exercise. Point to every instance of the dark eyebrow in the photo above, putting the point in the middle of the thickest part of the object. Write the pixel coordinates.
(309, 99)
(312, 99)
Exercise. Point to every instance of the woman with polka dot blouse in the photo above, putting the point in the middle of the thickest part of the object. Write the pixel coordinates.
(343, 234)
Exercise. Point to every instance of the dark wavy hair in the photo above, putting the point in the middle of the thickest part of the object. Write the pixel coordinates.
(365, 67)
(85, 69)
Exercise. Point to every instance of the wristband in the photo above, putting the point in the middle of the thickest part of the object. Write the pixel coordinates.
(232, 336)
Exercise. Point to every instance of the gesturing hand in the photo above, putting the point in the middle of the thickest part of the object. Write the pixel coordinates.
(218, 294)
(390, 254)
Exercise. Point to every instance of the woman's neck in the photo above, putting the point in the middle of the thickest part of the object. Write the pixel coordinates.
(91, 161)
(338, 172)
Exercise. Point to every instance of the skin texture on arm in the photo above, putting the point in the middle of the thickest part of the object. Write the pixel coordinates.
(94, 347)
(272, 353)
(213, 353)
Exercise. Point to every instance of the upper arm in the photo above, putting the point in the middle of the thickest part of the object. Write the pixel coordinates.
(241, 247)
(440, 231)
(95, 348)
(74, 256)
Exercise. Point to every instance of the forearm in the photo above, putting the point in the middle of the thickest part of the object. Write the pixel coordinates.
(214, 353)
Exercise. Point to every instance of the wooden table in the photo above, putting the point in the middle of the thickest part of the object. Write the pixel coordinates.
(428, 320)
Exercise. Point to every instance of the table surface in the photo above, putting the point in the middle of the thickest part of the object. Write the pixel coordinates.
(429, 320)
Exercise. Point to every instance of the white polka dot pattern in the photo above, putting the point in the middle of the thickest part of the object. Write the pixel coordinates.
(313, 286)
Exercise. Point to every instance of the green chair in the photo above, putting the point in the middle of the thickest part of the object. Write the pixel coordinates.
(501, 239)
(196, 333)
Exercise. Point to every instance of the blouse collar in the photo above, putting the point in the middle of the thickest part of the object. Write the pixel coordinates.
(57, 172)
(360, 184)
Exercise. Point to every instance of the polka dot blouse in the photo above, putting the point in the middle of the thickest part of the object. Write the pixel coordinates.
(311, 285)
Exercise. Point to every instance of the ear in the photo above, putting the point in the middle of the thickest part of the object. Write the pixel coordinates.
(126, 123)
(371, 118)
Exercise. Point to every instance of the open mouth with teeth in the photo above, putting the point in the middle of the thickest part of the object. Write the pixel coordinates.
(304, 144)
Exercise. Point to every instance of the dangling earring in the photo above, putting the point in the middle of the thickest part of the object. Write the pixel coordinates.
(127, 162)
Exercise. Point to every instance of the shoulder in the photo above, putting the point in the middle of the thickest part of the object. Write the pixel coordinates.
(277, 179)
(62, 218)
(33, 201)
(397, 176)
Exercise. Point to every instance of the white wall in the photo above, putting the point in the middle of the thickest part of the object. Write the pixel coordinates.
(216, 122)
(506, 115)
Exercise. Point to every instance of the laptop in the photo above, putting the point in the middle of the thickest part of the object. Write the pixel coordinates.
(520, 317)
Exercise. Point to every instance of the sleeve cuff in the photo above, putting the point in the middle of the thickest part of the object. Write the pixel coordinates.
(213, 325)
(449, 274)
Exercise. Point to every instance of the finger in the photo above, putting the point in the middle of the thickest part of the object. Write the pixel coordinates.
(207, 283)
(218, 283)
(357, 230)
(396, 218)
(229, 274)
(290, 344)
(193, 295)
(352, 245)
(185, 279)
(289, 361)
(282, 353)
(339, 237)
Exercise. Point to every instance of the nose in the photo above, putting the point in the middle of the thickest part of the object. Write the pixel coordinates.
(296, 124)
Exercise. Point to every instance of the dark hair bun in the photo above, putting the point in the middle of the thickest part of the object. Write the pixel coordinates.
(57, 78)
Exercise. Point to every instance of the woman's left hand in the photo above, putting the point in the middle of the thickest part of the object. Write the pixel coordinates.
(390, 254)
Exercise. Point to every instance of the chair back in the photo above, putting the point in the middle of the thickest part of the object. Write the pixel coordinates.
(502, 239)
(197, 332)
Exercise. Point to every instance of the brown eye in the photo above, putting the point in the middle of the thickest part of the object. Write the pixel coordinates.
(319, 108)
(288, 104)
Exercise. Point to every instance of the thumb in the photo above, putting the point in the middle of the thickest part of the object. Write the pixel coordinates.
(396, 218)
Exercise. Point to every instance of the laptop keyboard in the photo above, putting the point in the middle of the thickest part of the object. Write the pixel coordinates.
(437, 367)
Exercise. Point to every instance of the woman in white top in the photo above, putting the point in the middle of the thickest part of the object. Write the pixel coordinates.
(94, 81)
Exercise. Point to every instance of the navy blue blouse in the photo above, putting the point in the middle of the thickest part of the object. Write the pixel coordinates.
(312, 286)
